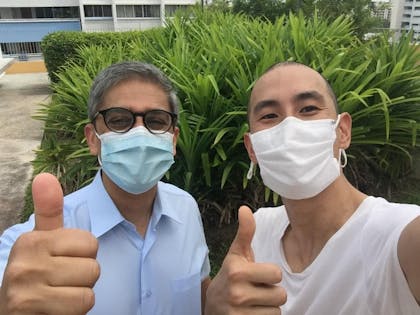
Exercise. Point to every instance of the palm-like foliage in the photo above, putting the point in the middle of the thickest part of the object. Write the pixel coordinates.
(381, 89)
(213, 59)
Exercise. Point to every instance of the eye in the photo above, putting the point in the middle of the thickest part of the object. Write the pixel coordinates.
(119, 121)
(158, 120)
(269, 116)
(308, 109)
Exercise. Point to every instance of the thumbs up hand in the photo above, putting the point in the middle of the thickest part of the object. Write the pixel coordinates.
(50, 270)
(48, 202)
(242, 286)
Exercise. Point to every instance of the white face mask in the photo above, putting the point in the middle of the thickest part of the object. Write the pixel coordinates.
(296, 157)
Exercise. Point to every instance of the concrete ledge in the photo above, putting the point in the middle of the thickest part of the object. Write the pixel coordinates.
(5, 63)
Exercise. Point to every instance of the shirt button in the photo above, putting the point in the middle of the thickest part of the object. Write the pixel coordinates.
(148, 293)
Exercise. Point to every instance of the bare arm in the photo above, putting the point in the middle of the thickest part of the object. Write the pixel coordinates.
(204, 285)
(409, 256)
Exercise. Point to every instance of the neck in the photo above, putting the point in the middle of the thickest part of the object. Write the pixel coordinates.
(315, 220)
(136, 209)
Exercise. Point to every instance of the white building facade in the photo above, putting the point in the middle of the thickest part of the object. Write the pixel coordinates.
(23, 23)
(382, 9)
(405, 16)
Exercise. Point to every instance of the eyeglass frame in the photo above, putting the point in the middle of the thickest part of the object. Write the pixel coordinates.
(103, 112)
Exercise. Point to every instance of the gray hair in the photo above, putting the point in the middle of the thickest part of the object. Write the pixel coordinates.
(118, 72)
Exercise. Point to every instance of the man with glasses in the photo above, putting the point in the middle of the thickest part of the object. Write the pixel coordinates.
(127, 243)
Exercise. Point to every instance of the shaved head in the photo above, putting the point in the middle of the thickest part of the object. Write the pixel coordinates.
(294, 63)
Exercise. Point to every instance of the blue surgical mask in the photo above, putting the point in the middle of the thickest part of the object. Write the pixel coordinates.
(136, 160)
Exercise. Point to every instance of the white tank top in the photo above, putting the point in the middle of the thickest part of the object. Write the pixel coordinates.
(356, 273)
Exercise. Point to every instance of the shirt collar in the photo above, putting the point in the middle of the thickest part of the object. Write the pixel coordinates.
(104, 215)
(163, 207)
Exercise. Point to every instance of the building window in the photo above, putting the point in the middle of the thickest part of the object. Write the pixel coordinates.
(26, 13)
(151, 10)
(125, 11)
(57, 12)
(44, 13)
(138, 11)
(170, 9)
(98, 11)
(39, 13)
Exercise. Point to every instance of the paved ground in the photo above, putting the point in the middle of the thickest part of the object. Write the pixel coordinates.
(20, 96)
(31, 66)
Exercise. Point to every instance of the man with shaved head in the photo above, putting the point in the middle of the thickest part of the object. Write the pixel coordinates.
(330, 249)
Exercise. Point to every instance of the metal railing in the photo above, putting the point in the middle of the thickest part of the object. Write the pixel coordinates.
(22, 50)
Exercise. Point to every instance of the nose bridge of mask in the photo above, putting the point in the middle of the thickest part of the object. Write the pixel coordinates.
(292, 127)
(140, 130)
(119, 141)
(262, 137)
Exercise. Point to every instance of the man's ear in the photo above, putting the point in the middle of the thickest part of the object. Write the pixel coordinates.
(92, 140)
(249, 148)
(344, 128)
(175, 139)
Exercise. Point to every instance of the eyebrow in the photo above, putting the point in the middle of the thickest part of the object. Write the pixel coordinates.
(315, 95)
(306, 95)
(264, 104)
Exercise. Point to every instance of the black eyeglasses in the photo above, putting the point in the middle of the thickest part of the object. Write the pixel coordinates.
(121, 120)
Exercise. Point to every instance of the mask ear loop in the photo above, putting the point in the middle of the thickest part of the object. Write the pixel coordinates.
(342, 153)
(251, 170)
(337, 121)
(99, 156)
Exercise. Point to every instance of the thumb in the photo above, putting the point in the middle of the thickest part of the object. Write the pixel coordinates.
(47, 196)
(241, 245)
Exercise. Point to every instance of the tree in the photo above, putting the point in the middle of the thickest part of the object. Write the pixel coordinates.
(269, 9)
(306, 6)
(360, 11)
(220, 5)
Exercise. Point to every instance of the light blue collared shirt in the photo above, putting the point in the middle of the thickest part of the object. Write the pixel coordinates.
(159, 274)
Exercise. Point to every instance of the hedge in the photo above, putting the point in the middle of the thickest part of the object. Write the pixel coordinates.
(60, 48)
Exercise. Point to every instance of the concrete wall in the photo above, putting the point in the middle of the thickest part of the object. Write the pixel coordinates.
(98, 25)
(137, 24)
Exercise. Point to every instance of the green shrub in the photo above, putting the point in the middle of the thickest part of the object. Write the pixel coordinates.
(61, 47)
(213, 60)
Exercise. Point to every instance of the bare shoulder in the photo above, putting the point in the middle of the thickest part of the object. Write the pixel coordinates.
(409, 255)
